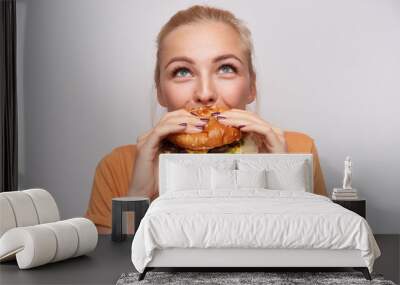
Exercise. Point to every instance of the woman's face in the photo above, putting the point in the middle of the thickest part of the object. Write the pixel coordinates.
(204, 64)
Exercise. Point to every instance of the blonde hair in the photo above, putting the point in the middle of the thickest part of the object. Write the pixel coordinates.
(197, 14)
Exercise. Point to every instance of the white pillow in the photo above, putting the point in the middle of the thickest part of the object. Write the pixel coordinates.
(236, 179)
(251, 178)
(181, 177)
(223, 179)
(293, 178)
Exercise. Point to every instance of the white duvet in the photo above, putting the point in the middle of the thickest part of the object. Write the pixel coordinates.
(250, 218)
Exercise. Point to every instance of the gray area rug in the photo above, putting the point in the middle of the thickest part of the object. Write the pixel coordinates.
(225, 278)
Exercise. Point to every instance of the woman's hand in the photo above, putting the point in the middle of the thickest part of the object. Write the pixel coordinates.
(144, 173)
(268, 138)
(172, 122)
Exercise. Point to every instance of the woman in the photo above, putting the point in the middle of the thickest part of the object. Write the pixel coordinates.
(204, 58)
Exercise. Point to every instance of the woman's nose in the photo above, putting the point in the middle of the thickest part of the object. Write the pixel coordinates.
(205, 93)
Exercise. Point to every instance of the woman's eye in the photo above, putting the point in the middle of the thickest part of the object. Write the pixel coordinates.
(181, 72)
(227, 68)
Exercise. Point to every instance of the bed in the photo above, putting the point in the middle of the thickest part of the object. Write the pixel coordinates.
(247, 210)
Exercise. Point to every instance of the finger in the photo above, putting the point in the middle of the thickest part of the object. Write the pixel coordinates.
(241, 114)
(191, 127)
(184, 118)
(246, 125)
(246, 115)
(180, 121)
(186, 123)
(170, 128)
(235, 122)
(190, 120)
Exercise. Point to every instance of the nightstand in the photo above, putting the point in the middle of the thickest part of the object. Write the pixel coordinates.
(357, 206)
(120, 206)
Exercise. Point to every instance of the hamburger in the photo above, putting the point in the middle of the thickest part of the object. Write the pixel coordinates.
(215, 137)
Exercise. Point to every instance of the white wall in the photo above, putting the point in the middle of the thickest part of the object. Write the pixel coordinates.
(327, 68)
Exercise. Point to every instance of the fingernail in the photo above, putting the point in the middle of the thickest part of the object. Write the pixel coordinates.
(199, 126)
(205, 119)
(183, 124)
(220, 118)
(215, 114)
(241, 126)
(194, 114)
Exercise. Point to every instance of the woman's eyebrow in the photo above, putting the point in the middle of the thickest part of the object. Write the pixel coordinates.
(226, 56)
(179, 58)
(189, 60)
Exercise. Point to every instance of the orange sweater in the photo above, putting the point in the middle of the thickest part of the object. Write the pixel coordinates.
(114, 174)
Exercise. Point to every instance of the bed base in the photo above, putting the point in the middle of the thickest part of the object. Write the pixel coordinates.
(249, 259)
(364, 270)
